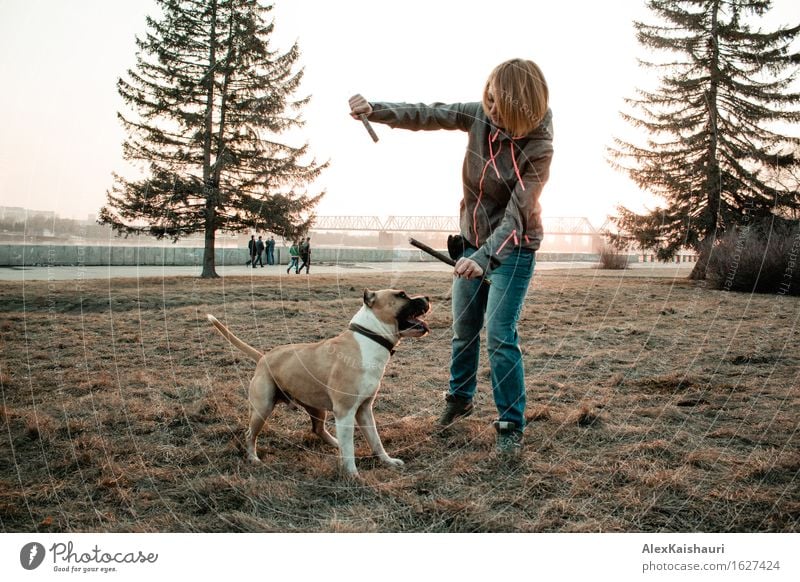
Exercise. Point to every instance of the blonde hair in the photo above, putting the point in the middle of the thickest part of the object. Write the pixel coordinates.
(520, 94)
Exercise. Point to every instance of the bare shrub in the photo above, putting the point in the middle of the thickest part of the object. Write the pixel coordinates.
(610, 258)
(761, 257)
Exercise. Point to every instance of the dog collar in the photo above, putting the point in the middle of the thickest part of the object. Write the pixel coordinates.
(377, 338)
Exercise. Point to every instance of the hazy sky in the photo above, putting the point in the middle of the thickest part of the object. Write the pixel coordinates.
(60, 59)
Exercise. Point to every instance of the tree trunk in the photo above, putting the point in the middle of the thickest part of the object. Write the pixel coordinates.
(703, 256)
(209, 264)
(223, 106)
(713, 172)
(209, 267)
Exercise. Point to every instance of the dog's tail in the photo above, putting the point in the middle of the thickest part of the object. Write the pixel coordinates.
(226, 333)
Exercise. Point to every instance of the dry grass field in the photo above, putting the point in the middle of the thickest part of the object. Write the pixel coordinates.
(654, 405)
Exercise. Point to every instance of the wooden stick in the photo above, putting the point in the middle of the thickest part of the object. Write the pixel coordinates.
(434, 253)
(441, 256)
(368, 125)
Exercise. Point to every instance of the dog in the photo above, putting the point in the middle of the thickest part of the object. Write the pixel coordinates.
(341, 374)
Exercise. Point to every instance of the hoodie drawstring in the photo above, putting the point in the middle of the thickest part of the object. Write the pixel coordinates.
(516, 168)
(492, 160)
(493, 155)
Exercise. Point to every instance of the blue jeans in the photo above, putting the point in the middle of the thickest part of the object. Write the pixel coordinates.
(500, 305)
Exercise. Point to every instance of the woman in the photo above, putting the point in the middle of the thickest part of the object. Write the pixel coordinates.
(294, 255)
(505, 168)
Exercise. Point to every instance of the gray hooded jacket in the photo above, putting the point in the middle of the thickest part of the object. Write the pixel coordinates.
(503, 176)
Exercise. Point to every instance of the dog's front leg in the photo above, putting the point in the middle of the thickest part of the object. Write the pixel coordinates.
(366, 422)
(345, 422)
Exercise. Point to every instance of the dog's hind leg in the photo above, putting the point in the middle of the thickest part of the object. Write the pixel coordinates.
(263, 393)
(318, 417)
(366, 422)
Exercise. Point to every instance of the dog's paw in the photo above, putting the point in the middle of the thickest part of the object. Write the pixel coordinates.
(349, 477)
(393, 462)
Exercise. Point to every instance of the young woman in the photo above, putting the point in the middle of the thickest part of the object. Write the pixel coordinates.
(505, 168)
(294, 255)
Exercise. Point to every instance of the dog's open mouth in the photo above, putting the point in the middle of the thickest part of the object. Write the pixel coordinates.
(410, 322)
(414, 326)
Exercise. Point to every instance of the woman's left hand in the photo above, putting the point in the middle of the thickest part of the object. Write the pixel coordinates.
(467, 269)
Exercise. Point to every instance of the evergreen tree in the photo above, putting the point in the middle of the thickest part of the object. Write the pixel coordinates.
(209, 96)
(715, 151)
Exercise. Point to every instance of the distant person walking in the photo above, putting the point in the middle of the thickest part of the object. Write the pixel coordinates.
(251, 251)
(259, 252)
(294, 255)
(271, 251)
(305, 255)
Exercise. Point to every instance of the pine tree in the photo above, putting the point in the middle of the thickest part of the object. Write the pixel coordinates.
(209, 96)
(715, 151)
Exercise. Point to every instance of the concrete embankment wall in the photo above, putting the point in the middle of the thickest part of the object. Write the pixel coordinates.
(90, 256)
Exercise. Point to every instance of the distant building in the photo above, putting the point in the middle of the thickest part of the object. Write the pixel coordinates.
(18, 214)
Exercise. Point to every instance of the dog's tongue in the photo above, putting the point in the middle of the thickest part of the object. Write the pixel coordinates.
(418, 324)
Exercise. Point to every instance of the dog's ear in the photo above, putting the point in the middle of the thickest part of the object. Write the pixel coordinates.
(369, 298)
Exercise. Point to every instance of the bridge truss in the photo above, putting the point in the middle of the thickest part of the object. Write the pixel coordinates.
(567, 225)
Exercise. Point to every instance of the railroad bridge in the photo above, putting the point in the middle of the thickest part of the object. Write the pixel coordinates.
(562, 234)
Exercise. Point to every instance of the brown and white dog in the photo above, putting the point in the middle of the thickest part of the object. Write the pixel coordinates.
(341, 374)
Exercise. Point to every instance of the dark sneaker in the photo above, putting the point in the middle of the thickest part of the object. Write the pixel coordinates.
(509, 439)
(456, 407)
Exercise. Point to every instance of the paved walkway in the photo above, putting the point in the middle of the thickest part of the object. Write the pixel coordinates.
(76, 273)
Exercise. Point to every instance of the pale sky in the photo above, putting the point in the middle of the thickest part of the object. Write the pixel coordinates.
(60, 59)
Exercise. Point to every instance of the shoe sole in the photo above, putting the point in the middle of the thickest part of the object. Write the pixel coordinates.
(509, 453)
(455, 419)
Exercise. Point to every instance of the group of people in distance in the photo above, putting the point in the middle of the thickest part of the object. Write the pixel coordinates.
(299, 251)
(256, 248)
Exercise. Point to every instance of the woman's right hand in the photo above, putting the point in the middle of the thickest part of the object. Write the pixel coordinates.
(359, 106)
